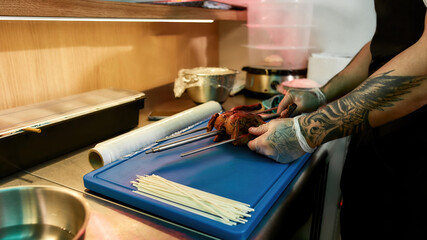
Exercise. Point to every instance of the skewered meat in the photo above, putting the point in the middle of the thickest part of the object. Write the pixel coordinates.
(235, 124)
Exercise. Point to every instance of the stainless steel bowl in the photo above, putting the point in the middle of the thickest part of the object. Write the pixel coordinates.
(210, 84)
(42, 212)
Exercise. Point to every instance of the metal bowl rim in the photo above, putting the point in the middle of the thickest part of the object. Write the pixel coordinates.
(64, 190)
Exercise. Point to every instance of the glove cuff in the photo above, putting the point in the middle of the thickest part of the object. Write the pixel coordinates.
(301, 140)
(321, 96)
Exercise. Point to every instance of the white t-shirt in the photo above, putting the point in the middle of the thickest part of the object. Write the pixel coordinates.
(425, 2)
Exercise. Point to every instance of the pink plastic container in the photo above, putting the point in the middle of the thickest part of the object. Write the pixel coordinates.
(284, 12)
(279, 35)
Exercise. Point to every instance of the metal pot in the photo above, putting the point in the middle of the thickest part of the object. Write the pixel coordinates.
(42, 212)
(207, 84)
(265, 80)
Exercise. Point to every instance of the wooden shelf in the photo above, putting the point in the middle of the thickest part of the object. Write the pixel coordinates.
(108, 9)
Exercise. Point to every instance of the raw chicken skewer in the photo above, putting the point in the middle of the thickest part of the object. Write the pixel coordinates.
(244, 108)
(198, 137)
(291, 108)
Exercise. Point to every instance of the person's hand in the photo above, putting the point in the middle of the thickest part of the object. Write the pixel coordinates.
(307, 100)
(277, 140)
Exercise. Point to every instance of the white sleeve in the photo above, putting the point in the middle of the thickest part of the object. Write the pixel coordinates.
(425, 2)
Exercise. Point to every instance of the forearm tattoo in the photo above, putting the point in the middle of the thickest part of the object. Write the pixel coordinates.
(349, 114)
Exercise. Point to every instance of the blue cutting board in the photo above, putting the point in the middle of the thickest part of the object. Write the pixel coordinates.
(232, 172)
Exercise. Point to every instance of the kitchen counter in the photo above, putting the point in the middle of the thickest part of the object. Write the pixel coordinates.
(113, 220)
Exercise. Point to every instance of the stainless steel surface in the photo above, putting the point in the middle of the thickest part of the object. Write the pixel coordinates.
(114, 220)
(108, 219)
(42, 212)
(209, 85)
(266, 83)
(262, 83)
(205, 93)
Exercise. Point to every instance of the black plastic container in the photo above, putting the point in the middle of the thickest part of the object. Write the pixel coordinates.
(26, 149)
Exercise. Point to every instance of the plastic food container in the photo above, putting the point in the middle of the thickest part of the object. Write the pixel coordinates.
(35, 133)
(280, 57)
(285, 12)
(279, 35)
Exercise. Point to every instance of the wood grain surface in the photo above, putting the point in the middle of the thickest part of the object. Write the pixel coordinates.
(43, 60)
(110, 9)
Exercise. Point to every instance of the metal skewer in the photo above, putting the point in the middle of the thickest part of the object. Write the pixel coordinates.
(206, 135)
(202, 128)
(181, 142)
(180, 134)
(205, 148)
(195, 138)
(291, 109)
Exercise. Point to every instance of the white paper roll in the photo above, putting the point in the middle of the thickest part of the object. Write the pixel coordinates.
(108, 151)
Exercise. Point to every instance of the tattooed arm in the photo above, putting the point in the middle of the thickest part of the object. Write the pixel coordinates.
(342, 83)
(350, 77)
(395, 90)
(380, 99)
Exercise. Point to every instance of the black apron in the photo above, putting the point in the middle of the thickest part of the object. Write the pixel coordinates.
(384, 180)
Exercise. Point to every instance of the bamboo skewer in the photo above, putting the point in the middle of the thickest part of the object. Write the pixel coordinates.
(202, 203)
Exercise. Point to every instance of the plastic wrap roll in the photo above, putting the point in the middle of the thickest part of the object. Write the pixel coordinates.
(108, 151)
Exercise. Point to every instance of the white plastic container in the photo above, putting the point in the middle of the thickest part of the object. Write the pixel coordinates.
(285, 12)
(291, 58)
(279, 35)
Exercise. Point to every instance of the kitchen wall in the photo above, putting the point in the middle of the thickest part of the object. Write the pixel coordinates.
(43, 60)
(342, 27)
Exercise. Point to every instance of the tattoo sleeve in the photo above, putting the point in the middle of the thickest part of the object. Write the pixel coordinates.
(349, 114)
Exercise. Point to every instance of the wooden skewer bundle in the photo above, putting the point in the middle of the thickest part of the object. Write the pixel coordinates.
(202, 203)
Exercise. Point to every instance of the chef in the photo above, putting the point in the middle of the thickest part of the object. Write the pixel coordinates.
(379, 100)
